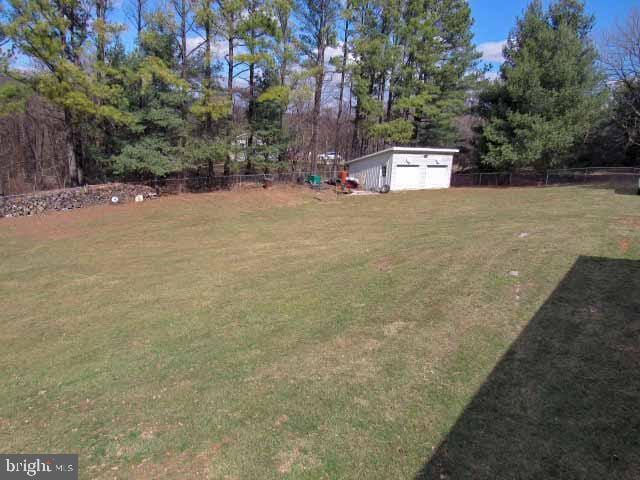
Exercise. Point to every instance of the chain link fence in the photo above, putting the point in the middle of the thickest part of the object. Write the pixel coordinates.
(223, 182)
(625, 178)
(622, 178)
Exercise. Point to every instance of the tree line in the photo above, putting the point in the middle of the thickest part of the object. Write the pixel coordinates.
(226, 86)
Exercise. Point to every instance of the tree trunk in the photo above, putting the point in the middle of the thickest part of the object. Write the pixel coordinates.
(317, 104)
(345, 53)
(72, 162)
(139, 18)
(101, 14)
(207, 66)
(230, 71)
(355, 143)
(183, 38)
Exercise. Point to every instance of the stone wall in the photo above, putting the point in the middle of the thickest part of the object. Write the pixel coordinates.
(70, 198)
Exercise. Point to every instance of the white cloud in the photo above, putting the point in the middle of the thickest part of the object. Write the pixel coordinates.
(218, 49)
(331, 52)
(192, 43)
(492, 51)
(492, 76)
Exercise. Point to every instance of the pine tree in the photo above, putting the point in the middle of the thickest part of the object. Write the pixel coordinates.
(256, 29)
(57, 36)
(155, 143)
(207, 142)
(318, 31)
(284, 51)
(228, 17)
(376, 59)
(341, 66)
(550, 94)
(415, 61)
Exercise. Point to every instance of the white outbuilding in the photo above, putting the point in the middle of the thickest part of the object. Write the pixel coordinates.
(404, 168)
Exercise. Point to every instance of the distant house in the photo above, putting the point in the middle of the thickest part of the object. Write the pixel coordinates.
(240, 147)
(329, 158)
(404, 168)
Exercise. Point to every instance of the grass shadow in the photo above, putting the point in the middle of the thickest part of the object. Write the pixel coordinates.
(621, 184)
(564, 401)
(627, 190)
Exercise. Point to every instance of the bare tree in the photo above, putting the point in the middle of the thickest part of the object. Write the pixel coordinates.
(33, 150)
(621, 56)
(135, 11)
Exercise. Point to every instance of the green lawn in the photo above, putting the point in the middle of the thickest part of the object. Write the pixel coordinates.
(279, 336)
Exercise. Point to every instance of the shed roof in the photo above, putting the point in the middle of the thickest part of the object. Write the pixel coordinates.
(406, 150)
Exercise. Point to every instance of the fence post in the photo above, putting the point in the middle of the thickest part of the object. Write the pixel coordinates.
(546, 180)
(480, 180)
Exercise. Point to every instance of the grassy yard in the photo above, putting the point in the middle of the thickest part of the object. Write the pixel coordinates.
(466, 333)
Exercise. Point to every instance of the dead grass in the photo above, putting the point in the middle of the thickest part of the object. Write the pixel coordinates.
(80, 222)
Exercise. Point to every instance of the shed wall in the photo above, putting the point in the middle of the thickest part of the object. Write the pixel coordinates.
(369, 171)
(412, 171)
(404, 170)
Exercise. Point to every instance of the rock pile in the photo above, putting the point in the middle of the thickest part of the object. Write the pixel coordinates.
(70, 198)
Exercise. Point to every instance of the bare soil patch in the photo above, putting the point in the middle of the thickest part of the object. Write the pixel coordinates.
(633, 222)
(624, 245)
(383, 264)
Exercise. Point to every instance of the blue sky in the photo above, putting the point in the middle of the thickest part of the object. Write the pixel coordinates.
(495, 19)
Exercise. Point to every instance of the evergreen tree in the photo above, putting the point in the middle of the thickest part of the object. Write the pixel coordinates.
(284, 56)
(376, 58)
(57, 36)
(550, 94)
(284, 51)
(318, 31)
(266, 124)
(211, 109)
(341, 66)
(157, 97)
(229, 14)
(415, 62)
(256, 30)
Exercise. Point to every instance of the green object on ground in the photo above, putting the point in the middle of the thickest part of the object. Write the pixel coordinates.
(314, 179)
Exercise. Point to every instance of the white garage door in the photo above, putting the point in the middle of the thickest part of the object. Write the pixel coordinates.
(408, 176)
(438, 176)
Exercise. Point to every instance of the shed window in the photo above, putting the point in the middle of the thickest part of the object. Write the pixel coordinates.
(384, 170)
